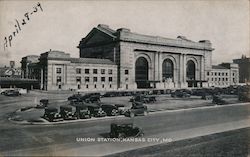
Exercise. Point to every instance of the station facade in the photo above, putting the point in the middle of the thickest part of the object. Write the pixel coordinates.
(120, 59)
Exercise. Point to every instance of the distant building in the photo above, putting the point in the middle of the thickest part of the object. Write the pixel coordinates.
(244, 69)
(10, 77)
(11, 71)
(120, 59)
(223, 75)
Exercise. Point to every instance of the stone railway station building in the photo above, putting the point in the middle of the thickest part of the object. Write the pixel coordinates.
(124, 60)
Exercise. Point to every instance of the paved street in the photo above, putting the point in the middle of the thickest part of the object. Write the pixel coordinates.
(42, 140)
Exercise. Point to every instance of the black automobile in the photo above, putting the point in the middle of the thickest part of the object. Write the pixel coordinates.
(143, 98)
(217, 99)
(11, 93)
(137, 109)
(110, 109)
(75, 97)
(92, 99)
(82, 111)
(121, 109)
(51, 114)
(66, 112)
(96, 110)
(206, 96)
(43, 103)
(125, 130)
(244, 93)
(180, 93)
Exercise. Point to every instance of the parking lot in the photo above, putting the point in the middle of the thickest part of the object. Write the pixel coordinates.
(25, 111)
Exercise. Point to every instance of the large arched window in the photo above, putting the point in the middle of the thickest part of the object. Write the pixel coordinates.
(167, 69)
(141, 72)
(190, 70)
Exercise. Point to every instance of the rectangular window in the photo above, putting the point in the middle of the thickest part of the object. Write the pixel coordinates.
(95, 79)
(78, 79)
(126, 72)
(110, 86)
(110, 71)
(58, 70)
(215, 79)
(103, 86)
(223, 79)
(212, 73)
(102, 71)
(103, 79)
(87, 86)
(94, 71)
(207, 73)
(222, 74)
(78, 70)
(95, 85)
(212, 79)
(86, 71)
(219, 79)
(215, 73)
(86, 79)
(226, 74)
(58, 79)
(110, 79)
(226, 79)
(219, 74)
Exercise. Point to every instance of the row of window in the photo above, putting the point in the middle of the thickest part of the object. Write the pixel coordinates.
(95, 79)
(87, 71)
(219, 73)
(87, 79)
(218, 79)
(95, 86)
(95, 71)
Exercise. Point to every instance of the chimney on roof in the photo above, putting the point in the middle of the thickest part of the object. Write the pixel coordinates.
(205, 41)
(123, 30)
(103, 26)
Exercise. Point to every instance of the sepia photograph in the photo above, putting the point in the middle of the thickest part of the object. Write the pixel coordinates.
(125, 78)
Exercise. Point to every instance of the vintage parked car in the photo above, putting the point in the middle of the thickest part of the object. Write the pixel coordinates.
(75, 97)
(82, 111)
(11, 93)
(66, 112)
(92, 99)
(137, 109)
(96, 110)
(51, 114)
(143, 98)
(180, 93)
(110, 109)
(244, 93)
(125, 130)
(206, 96)
(218, 100)
(43, 103)
(121, 109)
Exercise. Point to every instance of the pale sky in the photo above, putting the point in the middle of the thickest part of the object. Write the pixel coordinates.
(63, 24)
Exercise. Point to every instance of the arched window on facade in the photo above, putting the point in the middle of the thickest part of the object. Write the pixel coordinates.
(190, 70)
(167, 69)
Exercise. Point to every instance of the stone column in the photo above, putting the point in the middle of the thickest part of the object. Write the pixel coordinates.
(160, 66)
(41, 79)
(184, 68)
(156, 62)
(202, 72)
(180, 71)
